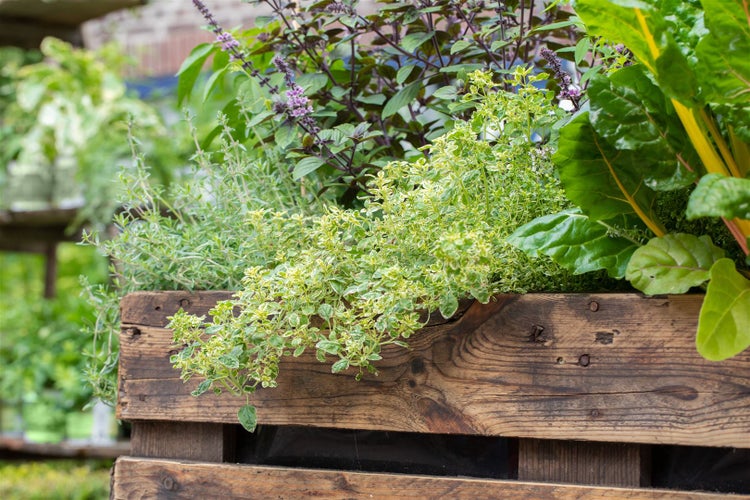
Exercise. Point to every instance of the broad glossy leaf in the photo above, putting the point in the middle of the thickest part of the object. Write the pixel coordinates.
(719, 196)
(723, 55)
(306, 166)
(576, 242)
(248, 417)
(724, 322)
(605, 183)
(190, 69)
(411, 42)
(631, 113)
(312, 82)
(674, 263)
(403, 97)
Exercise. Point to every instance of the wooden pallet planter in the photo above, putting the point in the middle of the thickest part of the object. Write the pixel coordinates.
(568, 374)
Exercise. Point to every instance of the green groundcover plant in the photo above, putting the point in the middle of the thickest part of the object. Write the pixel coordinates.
(671, 128)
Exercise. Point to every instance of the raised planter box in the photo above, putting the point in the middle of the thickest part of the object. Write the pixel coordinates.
(568, 374)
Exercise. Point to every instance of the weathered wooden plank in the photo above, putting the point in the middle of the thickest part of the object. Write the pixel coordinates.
(183, 440)
(148, 478)
(579, 462)
(616, 367)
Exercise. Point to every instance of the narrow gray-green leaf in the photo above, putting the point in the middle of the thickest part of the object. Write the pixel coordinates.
(674, 263)
(248, 417)
(719, 196)
(724, 322)
(576, 242)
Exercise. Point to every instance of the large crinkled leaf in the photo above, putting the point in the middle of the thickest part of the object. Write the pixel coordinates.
(631, 113)
(674, 263)
(605, 183)
(723, 62)
(575, 242)
(719, 196)
(724, 322)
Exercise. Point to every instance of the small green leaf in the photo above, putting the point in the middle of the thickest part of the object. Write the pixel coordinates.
(459, 46)
(582, 49)
(719, 196)
(403, 97)
(284, 136)
(673, 263)
(328, 346)
(190, 69)
(212, 82)
(312, 82)
(404, 72)
(325, 311)
(449, 93)
(448, 305)
(230, 361)
(411, 42)
(724, 321)
(202, 387)
(340, 365)
(248, 417)
(306, 166)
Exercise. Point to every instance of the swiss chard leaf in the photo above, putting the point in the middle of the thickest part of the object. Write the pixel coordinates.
(724, 322)
(674, 263)
(723, 62)
(631, 113)
(605, 183)
(576, 242)
(719, 196)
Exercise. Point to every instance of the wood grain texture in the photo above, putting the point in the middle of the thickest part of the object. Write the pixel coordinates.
(617, 367)
(578, 462)
(184, 440)
(163, 479)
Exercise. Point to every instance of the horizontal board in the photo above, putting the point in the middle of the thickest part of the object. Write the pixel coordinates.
(614, 367)
(168, 479)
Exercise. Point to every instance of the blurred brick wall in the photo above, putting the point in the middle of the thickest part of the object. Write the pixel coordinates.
(162, 33)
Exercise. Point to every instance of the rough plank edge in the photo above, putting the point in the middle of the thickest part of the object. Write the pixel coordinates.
(154, 478)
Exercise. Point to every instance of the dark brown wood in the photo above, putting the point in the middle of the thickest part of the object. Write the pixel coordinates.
(610, 464)
(16, 448)
(34, 231)
(50, 271)
(183, 440)
(617, 367)
(138, 478)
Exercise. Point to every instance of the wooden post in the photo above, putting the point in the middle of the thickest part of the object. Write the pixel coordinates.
(206, 442)
(50, 271)
(601, 464)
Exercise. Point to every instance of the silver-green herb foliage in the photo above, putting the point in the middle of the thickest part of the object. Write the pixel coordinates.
(431, 232)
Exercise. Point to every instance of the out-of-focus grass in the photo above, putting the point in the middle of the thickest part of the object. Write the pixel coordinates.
(54, 480)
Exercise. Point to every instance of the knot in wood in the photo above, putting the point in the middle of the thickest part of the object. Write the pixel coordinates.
(584, 360)
(593, 306)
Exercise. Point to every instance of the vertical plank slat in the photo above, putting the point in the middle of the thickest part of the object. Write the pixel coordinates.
(601, 464)
(183, 440)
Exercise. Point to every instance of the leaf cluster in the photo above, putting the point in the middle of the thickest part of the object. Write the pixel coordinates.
(382, 82)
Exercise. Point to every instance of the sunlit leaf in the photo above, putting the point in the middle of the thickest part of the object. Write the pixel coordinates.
(724, 322)
(674, 263)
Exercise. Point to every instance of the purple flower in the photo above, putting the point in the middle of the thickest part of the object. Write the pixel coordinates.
(568, 90)
(229, 43)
